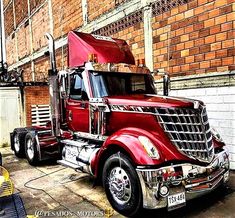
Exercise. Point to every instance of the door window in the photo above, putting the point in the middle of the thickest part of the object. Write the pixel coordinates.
(77, 90)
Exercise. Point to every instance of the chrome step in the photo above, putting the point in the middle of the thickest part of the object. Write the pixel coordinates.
(69, 164)
(89, 136)
(44, 131)
(74, 143)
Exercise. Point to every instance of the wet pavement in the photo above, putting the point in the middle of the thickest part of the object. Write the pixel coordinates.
(51, 190)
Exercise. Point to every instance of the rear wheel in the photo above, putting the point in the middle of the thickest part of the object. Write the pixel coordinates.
(122, 185)
(31, 151)
(18, 144)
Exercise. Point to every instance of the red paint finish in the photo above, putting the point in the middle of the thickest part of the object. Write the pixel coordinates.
(124, 128)
(150, 101)
(127, 139)
(80, 45)
(77, 115)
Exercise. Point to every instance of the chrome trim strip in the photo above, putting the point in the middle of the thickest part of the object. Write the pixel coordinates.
(195, 124)
(191, 141)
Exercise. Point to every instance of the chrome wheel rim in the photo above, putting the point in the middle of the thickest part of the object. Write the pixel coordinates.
(30, 149)
(16, 143)
(119, 185)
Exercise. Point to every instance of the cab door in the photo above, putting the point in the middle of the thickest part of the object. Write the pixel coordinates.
(77, 107)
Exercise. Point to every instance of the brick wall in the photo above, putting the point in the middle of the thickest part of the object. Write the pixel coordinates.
(27, 73)
(41, 67)
(8, 18)
(40, 25)
(97, 8)
(11, 51)
(195, 38)
(34, 95)
(134, 36)
(21, 10)
(188, 38)
(23, 42)
(67, 16)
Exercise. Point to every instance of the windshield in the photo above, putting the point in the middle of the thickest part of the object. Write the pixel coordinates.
(110, 84)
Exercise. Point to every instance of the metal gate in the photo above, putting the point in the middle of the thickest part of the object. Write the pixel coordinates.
(10, 112)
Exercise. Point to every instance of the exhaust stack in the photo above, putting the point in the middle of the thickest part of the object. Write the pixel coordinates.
(53, 88)
(166, 83)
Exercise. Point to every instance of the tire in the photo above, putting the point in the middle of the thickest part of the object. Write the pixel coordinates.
(18, 144)
(6, 77)
(31, 151)
(128, 199)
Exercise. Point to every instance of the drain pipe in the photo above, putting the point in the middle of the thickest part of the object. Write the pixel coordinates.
(53, 88)
(165, 81)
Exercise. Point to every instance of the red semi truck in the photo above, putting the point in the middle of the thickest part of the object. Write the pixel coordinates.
(149, 151)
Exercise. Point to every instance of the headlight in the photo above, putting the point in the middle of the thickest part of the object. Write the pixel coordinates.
(216, 135)
(149, 147)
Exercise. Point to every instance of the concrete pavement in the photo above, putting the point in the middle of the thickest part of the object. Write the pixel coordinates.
(50, 190)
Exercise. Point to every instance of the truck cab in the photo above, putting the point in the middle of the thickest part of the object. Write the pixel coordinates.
(148, 150)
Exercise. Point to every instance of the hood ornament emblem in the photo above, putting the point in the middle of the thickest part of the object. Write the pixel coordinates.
(196, 104)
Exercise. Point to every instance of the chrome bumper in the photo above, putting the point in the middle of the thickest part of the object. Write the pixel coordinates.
(194, 180)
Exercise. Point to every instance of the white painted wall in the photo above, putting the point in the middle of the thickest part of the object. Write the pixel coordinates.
(10, 113)
(220, 102)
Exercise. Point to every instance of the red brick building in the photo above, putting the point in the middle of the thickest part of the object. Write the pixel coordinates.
(193, 40)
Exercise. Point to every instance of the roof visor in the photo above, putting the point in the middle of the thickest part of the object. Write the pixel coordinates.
(107, 49)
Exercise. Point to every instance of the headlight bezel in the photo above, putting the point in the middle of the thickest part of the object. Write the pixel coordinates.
(149, 147)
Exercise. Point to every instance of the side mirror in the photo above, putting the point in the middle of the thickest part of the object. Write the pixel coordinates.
(166, 80)
(166, 84)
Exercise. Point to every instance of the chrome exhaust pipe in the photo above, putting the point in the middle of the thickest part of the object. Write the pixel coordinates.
(53, 88)
(51, 45)
(166, 84)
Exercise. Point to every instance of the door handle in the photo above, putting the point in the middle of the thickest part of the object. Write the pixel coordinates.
(83, 105)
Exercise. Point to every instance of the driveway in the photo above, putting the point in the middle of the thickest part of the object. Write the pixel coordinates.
(51, 190)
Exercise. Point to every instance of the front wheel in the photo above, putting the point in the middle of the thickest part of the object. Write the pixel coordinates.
(122, 185)
(31, 151)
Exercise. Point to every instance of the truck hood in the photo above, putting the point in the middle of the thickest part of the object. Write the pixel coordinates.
(148, 100)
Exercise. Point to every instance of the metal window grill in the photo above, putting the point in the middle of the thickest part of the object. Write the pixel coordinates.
(118, 2)
(121, 24)
(162, 6)
(158, 7)
(189, 130)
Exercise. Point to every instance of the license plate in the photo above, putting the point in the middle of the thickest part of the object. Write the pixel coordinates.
(176, 200)
(71, 153)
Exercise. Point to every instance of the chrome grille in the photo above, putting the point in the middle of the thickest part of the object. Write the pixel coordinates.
(189, 130)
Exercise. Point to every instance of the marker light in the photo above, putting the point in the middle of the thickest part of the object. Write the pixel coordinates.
(93, 58)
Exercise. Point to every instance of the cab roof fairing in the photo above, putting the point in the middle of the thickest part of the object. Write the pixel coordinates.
(107, 49)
